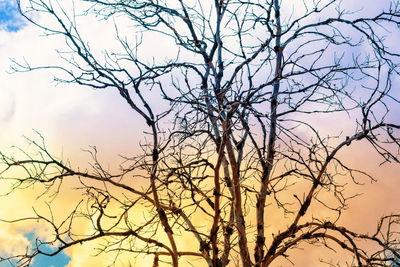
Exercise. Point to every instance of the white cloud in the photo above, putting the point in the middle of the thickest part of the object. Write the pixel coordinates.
(32, 100)
(15, 243)
(69, 116)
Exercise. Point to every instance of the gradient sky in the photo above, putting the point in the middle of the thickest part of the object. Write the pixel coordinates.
(72, 118)
(31, 101)
(11, 22)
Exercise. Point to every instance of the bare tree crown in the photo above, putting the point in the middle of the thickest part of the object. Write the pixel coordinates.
(245, 124)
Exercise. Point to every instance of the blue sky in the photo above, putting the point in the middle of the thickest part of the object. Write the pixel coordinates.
(10, 19)
(60, 260)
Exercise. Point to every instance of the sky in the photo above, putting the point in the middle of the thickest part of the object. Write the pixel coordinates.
(11, 22)
(71, 118)
(60, 260)
(14, 40)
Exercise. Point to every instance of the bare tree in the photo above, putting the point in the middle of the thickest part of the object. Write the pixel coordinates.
(234, 129)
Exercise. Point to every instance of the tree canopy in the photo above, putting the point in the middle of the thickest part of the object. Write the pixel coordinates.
(251, 110)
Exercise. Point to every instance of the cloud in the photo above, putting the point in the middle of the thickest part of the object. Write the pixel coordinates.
(70, 117)
(7, 107)
(15, 243)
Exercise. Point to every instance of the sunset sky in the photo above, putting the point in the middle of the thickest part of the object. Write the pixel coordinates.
(72, 118)
(31, 102)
